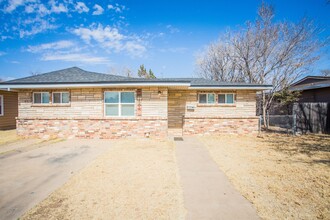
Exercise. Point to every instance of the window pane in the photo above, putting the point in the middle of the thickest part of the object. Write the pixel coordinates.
(65, 97)
(202, 98)
(127, 110)
(127, 97)
(221, 98)
(230, 98)
(111, 110)
(210, 98)
(45, 97)
(57, 97)
(111, 97)
(37, 97)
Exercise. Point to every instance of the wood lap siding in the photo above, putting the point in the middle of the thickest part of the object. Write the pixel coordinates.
(8, 120)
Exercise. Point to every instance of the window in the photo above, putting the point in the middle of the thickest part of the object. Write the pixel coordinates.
(226, 98)
(61, 97)
(41, 97)
(206, 98)
(1, 105)
(119, 103)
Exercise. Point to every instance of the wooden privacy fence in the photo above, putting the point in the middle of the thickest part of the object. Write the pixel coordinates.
(312, 117)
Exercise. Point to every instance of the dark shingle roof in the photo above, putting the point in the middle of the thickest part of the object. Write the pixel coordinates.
(76, 75)
(69, 75)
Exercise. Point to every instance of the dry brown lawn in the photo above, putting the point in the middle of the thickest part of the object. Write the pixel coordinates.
(284, 177)
(8, 136)
(133, 180)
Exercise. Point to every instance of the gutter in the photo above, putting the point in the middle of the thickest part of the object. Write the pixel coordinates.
(9, 86)
(261, 87)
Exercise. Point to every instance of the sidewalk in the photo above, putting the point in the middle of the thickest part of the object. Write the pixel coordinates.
(208, 194)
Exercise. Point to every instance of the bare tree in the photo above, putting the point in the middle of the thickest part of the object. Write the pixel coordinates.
(263, 52)
(121, 71)
(325, 72)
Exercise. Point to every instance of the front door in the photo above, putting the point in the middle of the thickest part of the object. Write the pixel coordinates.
(176, 110)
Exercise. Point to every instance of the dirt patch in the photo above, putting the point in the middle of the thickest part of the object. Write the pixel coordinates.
(133, 180)
(8, 137)
(284, 177)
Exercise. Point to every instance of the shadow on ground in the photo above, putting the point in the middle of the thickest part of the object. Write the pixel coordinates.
(304, 144)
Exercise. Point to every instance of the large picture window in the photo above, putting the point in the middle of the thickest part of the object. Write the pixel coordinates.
(1, 105)
(119, 103)
(61, 97)
(41, 98)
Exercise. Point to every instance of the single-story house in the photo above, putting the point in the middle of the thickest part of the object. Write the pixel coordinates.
(8, 110)
(77, 103)
(313, 89)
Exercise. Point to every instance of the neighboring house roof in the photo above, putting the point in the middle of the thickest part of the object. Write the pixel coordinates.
(311, 82)
(76, 77)
(310, 79)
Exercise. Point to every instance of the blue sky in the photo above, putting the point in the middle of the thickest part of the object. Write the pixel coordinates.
(112, 36)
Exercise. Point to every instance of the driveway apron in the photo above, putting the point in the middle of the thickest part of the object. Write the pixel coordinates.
(28, 177)
(207, 192)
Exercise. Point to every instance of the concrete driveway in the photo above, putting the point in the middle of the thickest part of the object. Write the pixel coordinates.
(30, 174)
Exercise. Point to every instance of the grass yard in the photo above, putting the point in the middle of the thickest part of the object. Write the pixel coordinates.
(133, 180)
(284, 177)
(8, 136)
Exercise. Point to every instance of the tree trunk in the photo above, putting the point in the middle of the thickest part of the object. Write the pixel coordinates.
(264, 108)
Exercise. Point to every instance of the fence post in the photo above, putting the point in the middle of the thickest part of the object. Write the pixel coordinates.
(259, 127)
(294, 124)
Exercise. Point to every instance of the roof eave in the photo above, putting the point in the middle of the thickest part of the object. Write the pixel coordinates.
(308, 88)
(233, 87)
(9, 86)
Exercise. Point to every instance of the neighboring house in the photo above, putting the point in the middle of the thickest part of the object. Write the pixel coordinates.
(313, 89)
(8, 110)
(313, 108)
(77, 103)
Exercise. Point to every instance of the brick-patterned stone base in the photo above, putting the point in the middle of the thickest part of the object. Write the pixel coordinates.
(93, 128)
(219, 125)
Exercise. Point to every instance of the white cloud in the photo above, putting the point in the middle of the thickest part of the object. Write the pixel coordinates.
(29, 9)
(134, 48)
(57, 8)
(63, 44)
(174, 50)
(42, 10)
(13, 4)
(110, 39)
(38, 26)
(65, 50)
(99, 34)
(98, 10)
(172, 29)
(2, 53)
(81, 7)
(117, 8)
(75, 57)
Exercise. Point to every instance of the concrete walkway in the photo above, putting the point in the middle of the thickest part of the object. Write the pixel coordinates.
(207, 192)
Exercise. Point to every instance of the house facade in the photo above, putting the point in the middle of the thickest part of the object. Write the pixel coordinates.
(77, 103)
